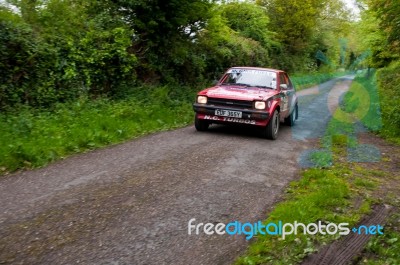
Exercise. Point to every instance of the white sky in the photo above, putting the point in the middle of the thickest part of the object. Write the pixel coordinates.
(351, 4)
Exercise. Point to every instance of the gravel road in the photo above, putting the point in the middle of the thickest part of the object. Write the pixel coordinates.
(131, 203)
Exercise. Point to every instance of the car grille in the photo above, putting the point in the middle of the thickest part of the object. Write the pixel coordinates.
(232, 103)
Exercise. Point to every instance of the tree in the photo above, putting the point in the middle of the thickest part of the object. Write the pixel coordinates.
(306, 27)
(57, 50)
(164, 32)
(386, 44)
(251, 21)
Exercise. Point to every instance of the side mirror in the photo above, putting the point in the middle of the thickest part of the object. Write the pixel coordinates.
(214, 82)
(284, 86)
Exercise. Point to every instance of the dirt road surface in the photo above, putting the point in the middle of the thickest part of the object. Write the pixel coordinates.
(131, 203)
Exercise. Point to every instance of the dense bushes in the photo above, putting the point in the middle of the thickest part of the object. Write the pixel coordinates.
(27, 67)
(389, 94)
(44, 62)
(58, 50)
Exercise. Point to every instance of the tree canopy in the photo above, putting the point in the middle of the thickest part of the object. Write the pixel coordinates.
(57, 50)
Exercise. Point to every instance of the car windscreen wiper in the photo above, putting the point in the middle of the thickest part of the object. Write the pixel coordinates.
(235, 84)
(267, 87)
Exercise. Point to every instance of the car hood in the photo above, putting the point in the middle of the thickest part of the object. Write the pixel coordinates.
(239, 92)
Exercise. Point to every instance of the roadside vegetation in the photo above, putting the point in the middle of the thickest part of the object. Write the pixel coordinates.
(77, 75)
(81, 74)
(32, 138)
(338, 189)
(107, 48)
(378, 33)
(389, 92)
(343, 186)
(344, 192)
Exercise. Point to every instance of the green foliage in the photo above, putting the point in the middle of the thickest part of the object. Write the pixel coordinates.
(387, 12)
(221, 46)
(324, 195)
(58, 50)
(373, 38)
(364, 95)
(389, 94)
(165, 36)
(251, 21)
(321, 159)
(294, 21)
(249, 39)
(384, 249)
(101, 60)
(46, 59)
(304, 28)
(378, 31)
(32, 138)
(26, 67)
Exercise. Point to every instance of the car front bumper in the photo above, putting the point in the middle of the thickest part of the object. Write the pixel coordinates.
(246, 114)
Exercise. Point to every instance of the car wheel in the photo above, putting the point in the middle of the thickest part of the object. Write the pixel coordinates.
(272, 128)
(201, 125)
(291, 119)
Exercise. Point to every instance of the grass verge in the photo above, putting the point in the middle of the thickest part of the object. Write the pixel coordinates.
(339, 194)
(337, 190)
(32, 138)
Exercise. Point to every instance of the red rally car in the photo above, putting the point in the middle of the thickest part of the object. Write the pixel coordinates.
(249, 95)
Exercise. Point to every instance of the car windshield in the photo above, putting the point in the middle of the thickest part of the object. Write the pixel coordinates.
(250, 78)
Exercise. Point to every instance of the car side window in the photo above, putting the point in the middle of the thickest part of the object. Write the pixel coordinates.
(288, 82)
(282, 79)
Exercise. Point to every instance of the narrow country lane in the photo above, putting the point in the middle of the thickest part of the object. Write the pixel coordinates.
(131, 203)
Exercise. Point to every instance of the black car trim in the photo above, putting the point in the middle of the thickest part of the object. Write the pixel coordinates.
(246, 114)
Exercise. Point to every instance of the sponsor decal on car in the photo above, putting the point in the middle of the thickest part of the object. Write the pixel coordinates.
(229, 119)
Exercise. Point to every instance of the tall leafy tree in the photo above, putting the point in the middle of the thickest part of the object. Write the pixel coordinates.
(305, 27)
(164, 31)
(386, 13)
(251, 21)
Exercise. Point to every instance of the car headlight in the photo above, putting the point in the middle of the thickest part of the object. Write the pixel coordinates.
(259, 105)
(202, 99)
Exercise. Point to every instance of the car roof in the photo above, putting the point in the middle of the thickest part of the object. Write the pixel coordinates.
(257, 68)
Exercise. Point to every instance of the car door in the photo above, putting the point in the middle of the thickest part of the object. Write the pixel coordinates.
(288, 95)
(285, 94)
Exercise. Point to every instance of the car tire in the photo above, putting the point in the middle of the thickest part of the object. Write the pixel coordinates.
(271, 130)
(201, 125)
(291, 119)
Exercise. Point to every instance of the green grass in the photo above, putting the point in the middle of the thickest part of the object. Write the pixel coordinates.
(342, 192)
(384, 250)
(326, 195)
(32, 138)
(321, 159)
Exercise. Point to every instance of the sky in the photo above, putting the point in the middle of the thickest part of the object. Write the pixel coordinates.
(353, 7)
